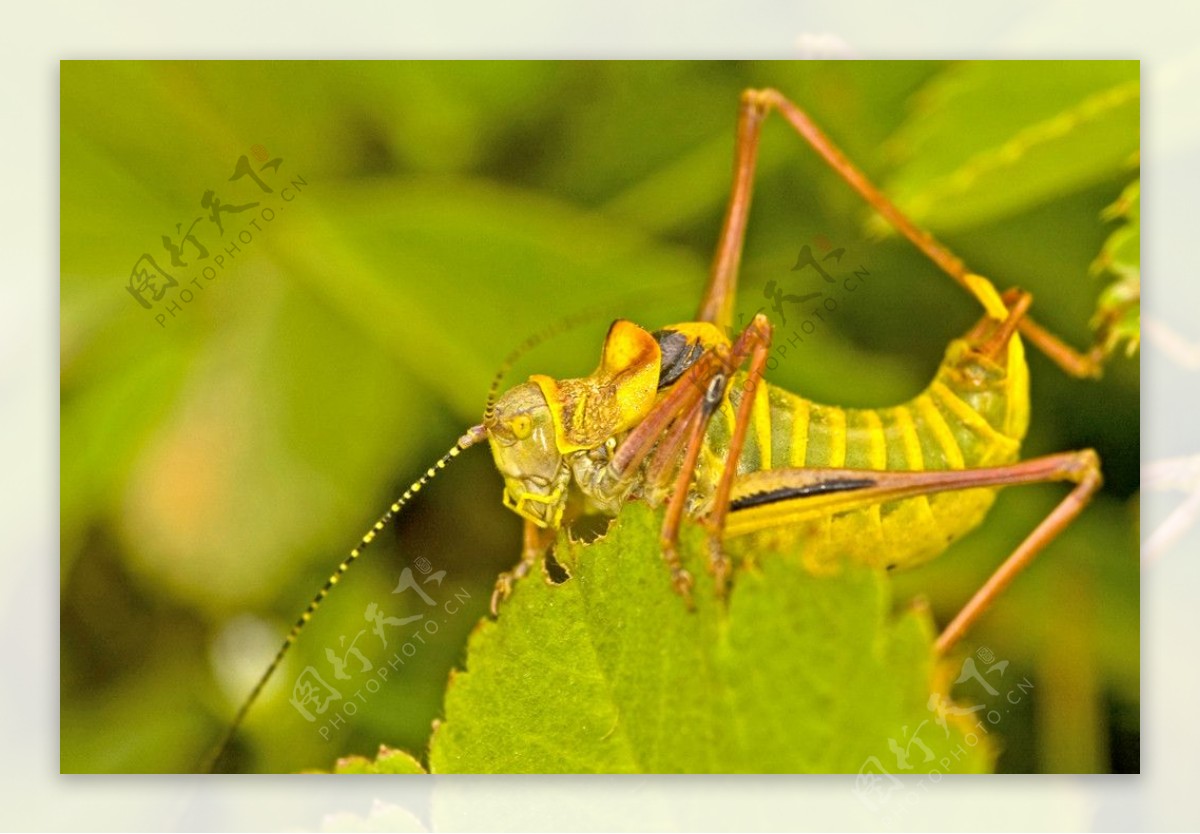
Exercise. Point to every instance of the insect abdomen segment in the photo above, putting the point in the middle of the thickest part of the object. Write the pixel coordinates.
(973, 414)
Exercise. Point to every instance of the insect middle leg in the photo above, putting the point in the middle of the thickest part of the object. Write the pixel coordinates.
(681, 419)
(756, 338)
(535, 542)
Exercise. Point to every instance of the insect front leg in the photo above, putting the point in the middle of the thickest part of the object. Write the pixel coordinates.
(712, 378)
(668, 538)
(683, 412)
(535, 542)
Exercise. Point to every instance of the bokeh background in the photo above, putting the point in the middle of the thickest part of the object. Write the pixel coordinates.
(215, 469)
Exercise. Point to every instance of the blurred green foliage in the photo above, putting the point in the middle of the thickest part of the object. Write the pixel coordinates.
(1119, 311)
(215, 469)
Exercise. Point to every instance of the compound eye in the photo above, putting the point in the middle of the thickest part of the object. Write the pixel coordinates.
(521, 426)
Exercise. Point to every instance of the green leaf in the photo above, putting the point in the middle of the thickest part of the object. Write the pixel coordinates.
(988, 140)
(610, 672)
(1119, 310)
(386, 761)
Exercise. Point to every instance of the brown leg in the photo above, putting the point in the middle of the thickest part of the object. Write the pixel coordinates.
(719, 297)
(680, 419)
(1018, 302)
(755, 341)
(757, 338)
(681, 580)
(535, 542)
(998, 335)
(1082, 365)
(678, 402)
(666, 455)
(682, 413)
(717, 305)
(1085, 471)
(825, 491)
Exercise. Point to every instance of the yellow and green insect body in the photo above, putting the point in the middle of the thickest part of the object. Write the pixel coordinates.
(553, 438)
(974, 414)
(683, 418)
(762, 467)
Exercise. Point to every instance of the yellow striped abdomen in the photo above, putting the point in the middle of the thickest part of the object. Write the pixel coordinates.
(974, 413)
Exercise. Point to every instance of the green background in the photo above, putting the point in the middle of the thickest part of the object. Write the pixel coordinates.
(215, 470)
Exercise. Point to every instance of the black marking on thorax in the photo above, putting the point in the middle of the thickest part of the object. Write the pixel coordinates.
(678, 354)
(760, 499)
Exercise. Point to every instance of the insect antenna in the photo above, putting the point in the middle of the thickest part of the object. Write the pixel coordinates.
(558, 328)
(473, 436)
(563, 325)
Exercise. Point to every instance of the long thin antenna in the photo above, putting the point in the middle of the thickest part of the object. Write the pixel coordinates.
(568, 322)
(473, 436)
(559, 327)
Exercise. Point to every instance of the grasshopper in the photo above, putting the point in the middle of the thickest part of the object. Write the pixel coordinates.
(682, 417)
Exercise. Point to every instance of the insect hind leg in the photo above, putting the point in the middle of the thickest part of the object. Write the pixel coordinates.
(765, 497)
(1082, 468)
(754, 343)
(717, 306)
